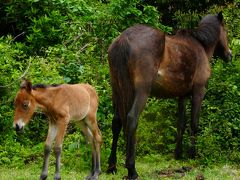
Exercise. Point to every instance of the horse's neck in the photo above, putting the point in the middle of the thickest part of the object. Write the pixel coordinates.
(209, 51)
(43, 98)
(207, 38)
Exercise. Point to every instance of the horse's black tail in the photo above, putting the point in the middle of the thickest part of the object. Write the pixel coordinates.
(121, 80)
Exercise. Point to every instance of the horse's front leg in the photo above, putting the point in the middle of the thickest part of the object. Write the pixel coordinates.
(52, 132)
(61, 128)
(197, 97)
(132, 123)
(181, 124)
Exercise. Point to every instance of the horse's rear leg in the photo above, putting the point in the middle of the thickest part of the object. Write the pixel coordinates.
(181, 124)
(197, 97)
(116, 129)
(132, 123)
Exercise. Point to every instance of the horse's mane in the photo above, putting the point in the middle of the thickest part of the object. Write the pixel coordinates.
(206, 33)
(43, 86)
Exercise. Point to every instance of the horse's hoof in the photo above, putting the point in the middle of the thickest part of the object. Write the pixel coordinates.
(192, 153)
(130, 178)
(177, 154)
(112, 170)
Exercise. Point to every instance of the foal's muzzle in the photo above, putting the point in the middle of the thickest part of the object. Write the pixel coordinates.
(18, 128)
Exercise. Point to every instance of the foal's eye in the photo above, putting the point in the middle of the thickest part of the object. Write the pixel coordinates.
(25, 105)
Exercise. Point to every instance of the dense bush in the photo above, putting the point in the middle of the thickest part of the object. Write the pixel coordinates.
(220, 117)
(66, 42)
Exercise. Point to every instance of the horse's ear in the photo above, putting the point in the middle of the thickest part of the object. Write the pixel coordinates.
(27, 85)
(220, 16)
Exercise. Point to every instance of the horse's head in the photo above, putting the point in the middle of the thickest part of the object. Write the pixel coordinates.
(24, 106)
(222, 50)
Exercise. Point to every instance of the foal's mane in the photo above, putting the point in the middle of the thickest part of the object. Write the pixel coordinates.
(207, 32)
(43, 86)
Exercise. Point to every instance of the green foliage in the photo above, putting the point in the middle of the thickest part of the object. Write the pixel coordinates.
(157, 127)
(220, 117)
(66, 42)
(14, 66)
(233, 26)
(176, 12)
(13, 154)
(63, 41)
(188, 20)
(10, 54)
(10, 69)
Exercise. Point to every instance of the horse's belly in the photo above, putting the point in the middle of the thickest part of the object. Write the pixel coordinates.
(167, 85)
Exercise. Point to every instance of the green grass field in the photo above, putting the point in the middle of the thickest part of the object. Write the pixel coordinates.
(149, 168)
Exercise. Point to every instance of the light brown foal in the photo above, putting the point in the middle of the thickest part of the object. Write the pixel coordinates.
(61, 103)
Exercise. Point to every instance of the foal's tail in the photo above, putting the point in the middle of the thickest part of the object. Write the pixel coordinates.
(122, 83)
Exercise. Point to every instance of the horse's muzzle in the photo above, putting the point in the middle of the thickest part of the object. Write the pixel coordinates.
(229, 55)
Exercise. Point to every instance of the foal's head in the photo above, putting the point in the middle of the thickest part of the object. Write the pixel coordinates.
(24, 106)
(222, 50)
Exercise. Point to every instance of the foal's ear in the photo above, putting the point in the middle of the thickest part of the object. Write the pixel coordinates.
(27, 85)
(220, 16)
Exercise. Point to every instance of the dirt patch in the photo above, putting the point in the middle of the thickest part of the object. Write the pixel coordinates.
(174, 172)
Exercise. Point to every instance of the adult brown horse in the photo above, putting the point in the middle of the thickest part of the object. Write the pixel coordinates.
(62, 103)
(143, 61)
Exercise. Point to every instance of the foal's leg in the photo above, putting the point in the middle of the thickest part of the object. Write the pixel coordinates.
(181, 124)
(88, 134)
(116, 129)
(91, 122)
(61, 128)
(197, 97)
(52, 132)
(140, 100)
(96, 169)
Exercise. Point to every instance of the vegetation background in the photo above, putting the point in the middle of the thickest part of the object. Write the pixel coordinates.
(66, 41)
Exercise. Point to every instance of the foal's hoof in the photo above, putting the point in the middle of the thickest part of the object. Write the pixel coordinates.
(43, 177)
(57, 177)
(93, 175)
(91, 178)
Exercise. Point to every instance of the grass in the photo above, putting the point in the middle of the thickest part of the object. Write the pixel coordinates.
(150, 167)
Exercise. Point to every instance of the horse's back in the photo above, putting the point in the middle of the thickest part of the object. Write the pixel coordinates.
(143, 41)
(184, 64)
(145, 51)
(193, 58)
